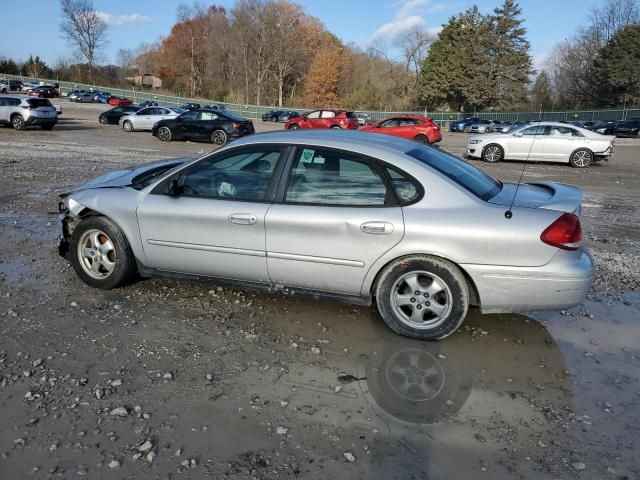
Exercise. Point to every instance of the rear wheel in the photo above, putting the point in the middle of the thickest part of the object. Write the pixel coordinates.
(295, 126)
(17, 122)
(493, 153)
(219, 137)
(422, 139)
(100, 253)
(127, 126)
(338, 127)
(164, 134)
(422, 297)
(581, 158)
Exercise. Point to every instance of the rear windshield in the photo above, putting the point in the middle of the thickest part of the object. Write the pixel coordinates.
(231, 116)
(465, 175)
(351, 115)
(39, 102)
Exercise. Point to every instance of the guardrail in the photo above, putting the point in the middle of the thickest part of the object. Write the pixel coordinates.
(256, 111)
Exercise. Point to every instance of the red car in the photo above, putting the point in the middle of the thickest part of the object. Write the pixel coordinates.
(420, 129)
(43, 92)
(119, 101)
(327, 118)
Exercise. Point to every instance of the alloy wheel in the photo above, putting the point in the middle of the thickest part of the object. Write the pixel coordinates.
(164, 134)
(492, 153)
(219, 137)
(421, 300)
(97, 254)
(582, 158)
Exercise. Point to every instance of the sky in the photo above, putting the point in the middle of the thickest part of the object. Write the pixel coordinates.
(360, 21)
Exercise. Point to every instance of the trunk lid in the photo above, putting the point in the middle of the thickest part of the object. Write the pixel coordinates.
(547, 195)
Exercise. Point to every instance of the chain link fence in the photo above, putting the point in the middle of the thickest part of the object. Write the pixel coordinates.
(256, 111)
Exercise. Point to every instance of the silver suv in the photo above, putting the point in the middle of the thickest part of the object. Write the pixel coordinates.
(22, 111)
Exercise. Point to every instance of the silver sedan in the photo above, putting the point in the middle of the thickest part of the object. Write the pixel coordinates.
(348, 215)
(146, 118)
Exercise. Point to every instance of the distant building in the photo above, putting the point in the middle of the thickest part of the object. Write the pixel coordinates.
(145, 80)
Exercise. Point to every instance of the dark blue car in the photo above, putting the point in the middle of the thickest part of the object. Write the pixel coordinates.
(462, 123)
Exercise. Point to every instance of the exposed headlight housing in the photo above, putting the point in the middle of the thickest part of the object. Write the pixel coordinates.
(475, 141)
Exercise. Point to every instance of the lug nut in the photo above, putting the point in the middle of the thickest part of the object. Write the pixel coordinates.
(427, 303)
(419, 307)
(413, 300)
(426, 295)
(417, 292)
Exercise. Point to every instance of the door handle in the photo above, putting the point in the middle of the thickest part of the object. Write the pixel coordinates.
(377, 228)
(243, 218)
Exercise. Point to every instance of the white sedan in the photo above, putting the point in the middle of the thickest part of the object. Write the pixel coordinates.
(546, 142)
(146, 118)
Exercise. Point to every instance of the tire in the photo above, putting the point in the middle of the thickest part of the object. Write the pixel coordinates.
(103, 120)
(219, 137)
(17, 122)
(127, 126)
(493, 153)
(432, 314)
(295, 126)
(164, 134)
(422, 139)
(337, 127)
(47, 127)
(581, 158)
(98, 237)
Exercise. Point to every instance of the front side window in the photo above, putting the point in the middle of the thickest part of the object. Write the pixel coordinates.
(328, 177)
(315, 114)
(467, 176)
(531, 131)
(190, 116)
(392, 122)
(239, 175)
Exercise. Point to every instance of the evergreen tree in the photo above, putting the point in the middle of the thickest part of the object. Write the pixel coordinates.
(511, 62)
(618, 68)
(36, 68)
(541, 93)
(456, 71)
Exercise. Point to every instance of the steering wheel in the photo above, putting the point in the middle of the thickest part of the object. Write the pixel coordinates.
(189, 190)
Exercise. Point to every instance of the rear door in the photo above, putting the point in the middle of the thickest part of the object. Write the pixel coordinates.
(327, 119)
(334, 218)
(560, 142)
(215, 226)
(406, 128)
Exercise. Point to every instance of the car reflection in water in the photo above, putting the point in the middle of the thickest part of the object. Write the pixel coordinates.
(485, 398)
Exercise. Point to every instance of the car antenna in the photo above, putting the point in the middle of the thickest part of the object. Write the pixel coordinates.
(509, 213)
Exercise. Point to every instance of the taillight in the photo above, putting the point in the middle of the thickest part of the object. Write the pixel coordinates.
(235, 125)
(564, 233)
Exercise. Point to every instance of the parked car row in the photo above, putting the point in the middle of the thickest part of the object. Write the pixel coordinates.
(279, 115)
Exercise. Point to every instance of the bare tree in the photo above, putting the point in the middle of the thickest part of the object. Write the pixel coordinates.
(611, 17)
(414, 46)
(124, 59)
(83, 28)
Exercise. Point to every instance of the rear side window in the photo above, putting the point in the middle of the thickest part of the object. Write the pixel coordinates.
(39, 102)
(327, 114)
(467, 176)
(327, 177)
(407, 189)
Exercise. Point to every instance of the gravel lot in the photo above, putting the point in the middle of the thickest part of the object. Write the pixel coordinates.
(175, 380)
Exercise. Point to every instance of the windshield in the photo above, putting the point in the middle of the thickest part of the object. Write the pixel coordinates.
(465, 175)
(233, 116)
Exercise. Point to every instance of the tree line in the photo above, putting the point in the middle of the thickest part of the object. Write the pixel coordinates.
(271, 52)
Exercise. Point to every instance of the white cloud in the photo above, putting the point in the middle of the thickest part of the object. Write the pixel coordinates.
(120, 20)
(539, 60)
(405, 19)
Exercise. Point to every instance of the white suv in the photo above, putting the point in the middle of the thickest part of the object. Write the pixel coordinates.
(21, 112)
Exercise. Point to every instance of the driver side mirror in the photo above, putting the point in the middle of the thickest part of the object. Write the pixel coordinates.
(517, 134)
(174, 189)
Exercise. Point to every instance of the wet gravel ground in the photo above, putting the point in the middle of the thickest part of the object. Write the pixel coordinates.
(176, 380)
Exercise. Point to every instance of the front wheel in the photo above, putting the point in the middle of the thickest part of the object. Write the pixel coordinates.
(100, 253)
(422, 297)
(295, 126)
(493, 153)
(164, 134)
(219, 137)
(127, 126)
(581, 158)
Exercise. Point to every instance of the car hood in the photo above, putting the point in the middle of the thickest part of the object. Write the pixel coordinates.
(547, 195)
(128, 176)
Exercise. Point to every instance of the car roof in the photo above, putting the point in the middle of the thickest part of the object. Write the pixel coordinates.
(342, 139)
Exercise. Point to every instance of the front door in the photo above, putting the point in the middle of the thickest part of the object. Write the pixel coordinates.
(215, 225)
(526, 144)
(336, 220)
